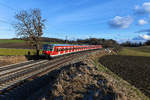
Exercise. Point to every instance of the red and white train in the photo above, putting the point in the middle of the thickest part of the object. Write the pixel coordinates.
(52, 50)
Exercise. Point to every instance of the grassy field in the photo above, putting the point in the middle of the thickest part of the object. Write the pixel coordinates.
(16, 47)
(142, 49)
(19, 44)
(133, 69)
(22, 41)
(6, 52)
(136, 51)
(16, 41)
(11, 41)
(131, 64)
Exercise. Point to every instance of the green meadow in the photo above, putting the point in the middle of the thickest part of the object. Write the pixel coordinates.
(11, 41)
(17, 52)
(135, 51)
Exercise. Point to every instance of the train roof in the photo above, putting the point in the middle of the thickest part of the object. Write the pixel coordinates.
(64, 45)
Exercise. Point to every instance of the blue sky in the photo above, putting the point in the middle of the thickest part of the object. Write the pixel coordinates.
(121, 20)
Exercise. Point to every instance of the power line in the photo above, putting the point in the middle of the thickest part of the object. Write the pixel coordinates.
(3, 21)
(7, 30)
(8, 6)
(6, 22)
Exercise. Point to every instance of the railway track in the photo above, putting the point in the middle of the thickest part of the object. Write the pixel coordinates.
(13, 74)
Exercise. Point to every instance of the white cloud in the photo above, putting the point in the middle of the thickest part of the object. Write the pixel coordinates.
(121, 22)
(142, 37)
(142, 22)
(145, 36)
(144, 8)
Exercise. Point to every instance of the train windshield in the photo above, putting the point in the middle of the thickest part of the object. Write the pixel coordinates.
(47, 47)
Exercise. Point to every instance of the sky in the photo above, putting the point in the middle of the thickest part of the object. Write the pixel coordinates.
(121, 20)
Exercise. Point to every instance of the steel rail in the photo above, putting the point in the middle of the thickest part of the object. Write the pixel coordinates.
(13, 78)
(16, 75)
(7, 66)
(4, 72)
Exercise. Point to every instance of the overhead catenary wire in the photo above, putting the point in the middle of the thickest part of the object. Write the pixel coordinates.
(7, 6)
(6, 22)
(3, 20)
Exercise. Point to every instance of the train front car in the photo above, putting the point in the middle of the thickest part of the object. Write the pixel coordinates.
(47, 50)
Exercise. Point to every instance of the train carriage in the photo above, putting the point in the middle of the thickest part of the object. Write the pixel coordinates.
(53, 50)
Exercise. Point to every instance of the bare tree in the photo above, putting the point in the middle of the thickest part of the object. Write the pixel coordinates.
(30, 26)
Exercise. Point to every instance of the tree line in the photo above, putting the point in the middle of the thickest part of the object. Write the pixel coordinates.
(131, 44)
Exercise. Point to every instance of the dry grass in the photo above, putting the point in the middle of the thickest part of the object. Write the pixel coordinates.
(6, 60)
(8, 52)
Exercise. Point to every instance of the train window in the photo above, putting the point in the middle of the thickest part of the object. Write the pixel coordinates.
(51, 47)
(47, 47)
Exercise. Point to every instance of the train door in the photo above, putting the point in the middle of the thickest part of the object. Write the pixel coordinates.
(69, 49)
(55, 51)
(59, 49)
(74, 49)
(66, 50)
(62, 50)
